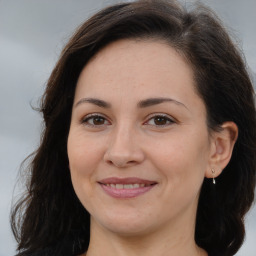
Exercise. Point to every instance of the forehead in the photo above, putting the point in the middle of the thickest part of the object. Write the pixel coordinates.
(148, 54)
(138, 67)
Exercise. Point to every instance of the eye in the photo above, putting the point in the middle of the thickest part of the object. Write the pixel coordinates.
(160, 120)
(95, 120)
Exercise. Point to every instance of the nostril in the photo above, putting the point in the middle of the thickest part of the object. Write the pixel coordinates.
(119, 163)
(131, 162)
(109, 162)
(123, 157)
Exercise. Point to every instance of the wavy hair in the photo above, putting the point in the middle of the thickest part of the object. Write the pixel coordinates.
(50, 215)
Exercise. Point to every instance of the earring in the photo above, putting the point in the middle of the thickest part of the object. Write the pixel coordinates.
(213, 178)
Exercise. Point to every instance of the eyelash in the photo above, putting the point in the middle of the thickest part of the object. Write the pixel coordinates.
(92, 117)
(165, 117)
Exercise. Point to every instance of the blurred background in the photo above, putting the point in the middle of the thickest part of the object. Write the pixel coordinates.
(32, 34)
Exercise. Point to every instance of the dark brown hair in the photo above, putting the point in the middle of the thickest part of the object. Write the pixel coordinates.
(50, 214)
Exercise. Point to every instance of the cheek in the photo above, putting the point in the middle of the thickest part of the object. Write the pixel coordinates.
(182, 158)
(83, 154)
(84, 157)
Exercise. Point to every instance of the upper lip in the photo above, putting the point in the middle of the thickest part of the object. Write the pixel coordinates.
(129, 180)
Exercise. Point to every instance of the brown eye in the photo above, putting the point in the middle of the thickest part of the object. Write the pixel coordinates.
(95, 120)
(98, 120)
(160, 120)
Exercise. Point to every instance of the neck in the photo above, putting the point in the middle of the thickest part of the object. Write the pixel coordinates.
(169, 243)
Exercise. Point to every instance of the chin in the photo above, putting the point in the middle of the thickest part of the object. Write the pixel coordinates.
(125, 225)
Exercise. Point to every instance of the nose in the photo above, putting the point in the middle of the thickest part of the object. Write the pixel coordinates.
(124, 149)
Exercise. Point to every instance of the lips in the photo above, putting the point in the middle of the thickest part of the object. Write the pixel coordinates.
(126, 187)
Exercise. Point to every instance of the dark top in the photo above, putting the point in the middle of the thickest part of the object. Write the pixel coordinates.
(49, 252)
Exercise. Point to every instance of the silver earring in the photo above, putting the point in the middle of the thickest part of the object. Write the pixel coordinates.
(213, 178)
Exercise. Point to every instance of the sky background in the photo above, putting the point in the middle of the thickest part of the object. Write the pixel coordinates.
(32, 34)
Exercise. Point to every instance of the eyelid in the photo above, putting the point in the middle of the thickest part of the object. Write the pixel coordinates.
(84, 119)
(168, 117)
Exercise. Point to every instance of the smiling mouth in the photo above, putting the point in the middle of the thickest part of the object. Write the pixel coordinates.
(126, 187)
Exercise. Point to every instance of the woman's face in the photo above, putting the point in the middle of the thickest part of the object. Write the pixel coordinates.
(138, 144)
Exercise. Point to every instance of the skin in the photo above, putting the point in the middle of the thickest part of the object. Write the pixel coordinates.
(127, 140)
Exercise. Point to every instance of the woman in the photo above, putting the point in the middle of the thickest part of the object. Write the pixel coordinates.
(149, 144)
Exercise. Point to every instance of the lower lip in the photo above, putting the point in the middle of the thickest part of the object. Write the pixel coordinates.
(126, 193)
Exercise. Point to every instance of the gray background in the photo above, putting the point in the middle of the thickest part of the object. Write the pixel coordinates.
(32, 33)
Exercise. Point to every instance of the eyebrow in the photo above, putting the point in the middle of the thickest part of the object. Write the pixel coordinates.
(141, 104)
(97, 102)
(155, 101)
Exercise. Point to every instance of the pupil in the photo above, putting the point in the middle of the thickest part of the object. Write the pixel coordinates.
(98, 120)
(160, 120)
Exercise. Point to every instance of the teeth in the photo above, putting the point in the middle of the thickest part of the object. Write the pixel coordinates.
(119, 186)
(126, 186)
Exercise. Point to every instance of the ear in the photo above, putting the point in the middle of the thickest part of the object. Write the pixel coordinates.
(222, 144)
